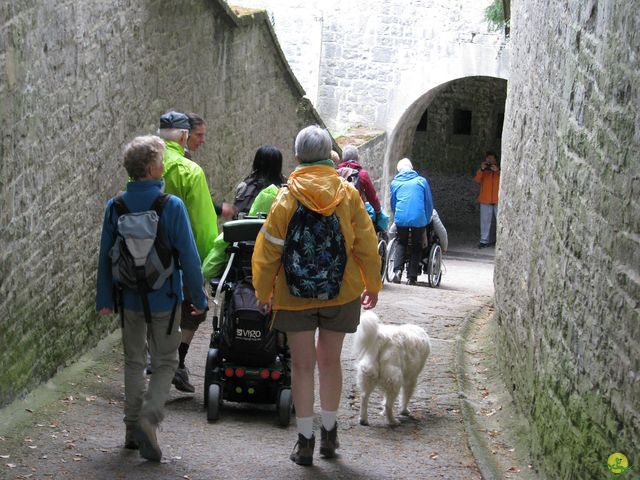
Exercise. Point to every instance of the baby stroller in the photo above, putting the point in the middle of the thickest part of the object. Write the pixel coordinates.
(247, 361)
(431, 263)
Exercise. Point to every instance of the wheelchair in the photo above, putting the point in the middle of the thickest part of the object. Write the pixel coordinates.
(431, 262)
(383, 251)
(247, 361)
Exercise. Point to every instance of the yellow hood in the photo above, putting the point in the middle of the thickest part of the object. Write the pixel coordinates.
(317, 187)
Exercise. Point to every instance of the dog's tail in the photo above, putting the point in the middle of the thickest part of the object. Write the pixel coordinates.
(364, 342)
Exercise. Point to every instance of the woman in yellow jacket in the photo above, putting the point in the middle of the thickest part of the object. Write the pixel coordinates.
(488, 176)
(316, 185)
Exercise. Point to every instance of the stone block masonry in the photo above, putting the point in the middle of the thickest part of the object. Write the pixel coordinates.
(77, 81)
(567, 270)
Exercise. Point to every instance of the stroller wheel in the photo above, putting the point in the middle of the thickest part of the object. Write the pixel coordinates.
(214, 399)
(285, 403)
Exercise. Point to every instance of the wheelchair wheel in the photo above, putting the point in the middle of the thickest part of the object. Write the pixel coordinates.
(213, 402)
(391, 252)
(285, 403)
(434, 266)
(211, 372)
(382, 251)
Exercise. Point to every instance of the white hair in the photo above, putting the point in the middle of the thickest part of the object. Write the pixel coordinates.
(313, 143)
(404, 165)
(173, 134)
(349, 153)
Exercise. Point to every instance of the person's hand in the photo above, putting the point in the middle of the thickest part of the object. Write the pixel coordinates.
(484, 165)
(196, 311)
(105, 311)
(228, 210)
(265, 308)
(368, 299)
(494, 167)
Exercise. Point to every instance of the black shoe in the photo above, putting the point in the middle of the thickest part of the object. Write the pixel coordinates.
(130, 441)
(146, 436)
(396, 277)
(329, 442)
(302, 452)
(483, 245)
(181, 381)
(412, 281)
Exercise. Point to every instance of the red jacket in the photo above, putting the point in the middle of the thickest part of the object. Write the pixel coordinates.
(489, 184)
(365, 185)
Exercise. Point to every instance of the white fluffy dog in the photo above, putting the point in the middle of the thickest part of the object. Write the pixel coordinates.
(391, 356)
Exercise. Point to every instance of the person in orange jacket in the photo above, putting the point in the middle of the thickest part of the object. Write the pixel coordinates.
(488, 176)
(316, 185)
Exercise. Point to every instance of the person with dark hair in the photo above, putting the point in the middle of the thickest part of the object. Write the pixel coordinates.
(197, 138)
(266, 170)
(488, 176)
(143, 160)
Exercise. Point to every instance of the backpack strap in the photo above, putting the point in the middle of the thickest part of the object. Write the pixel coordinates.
(119, 205)
(173, 315)
(159, 203)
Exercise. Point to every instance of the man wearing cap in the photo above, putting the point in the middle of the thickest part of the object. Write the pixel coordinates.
(412, 207)
(187, 180)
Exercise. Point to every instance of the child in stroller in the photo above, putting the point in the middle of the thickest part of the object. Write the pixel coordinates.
(247, 361)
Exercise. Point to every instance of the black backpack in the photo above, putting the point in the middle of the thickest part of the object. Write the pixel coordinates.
(246, 335)
(314, 256)
(141, 258)
(247, 192)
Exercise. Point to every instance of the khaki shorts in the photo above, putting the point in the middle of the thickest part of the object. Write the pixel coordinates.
(188, 321)
(340, 318)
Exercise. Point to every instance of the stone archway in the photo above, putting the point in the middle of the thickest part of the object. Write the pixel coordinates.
(445, 132)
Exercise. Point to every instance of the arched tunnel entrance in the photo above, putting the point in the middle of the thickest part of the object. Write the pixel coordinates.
(446, 133)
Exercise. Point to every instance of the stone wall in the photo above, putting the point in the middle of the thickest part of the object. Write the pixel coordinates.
(376, 57)
(448, 159)
(371, 155)
(77, 81)
(439, 148)
(567, 266)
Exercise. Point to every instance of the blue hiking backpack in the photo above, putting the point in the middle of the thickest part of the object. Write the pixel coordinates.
(314, 256)
(141, 258)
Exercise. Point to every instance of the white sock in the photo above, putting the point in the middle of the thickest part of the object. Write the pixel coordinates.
(305, 426)
(328, 419)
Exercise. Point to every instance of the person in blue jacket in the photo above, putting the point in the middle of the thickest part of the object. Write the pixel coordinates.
(412, 207)
(143, 160)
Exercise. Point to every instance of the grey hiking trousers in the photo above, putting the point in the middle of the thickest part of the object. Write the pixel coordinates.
(164, 361)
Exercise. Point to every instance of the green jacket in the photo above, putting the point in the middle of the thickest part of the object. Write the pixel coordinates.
(187, 180)
(213, 265)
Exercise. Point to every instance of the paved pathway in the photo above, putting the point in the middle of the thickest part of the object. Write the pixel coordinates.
(72, 428)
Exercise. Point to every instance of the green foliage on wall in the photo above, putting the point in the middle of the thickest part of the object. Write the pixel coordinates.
(494, 15)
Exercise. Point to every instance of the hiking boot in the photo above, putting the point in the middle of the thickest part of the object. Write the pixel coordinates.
(329, 441)
(130, 441)
(396, 277)
(181, 381)
(146, 436)
(302, 452)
